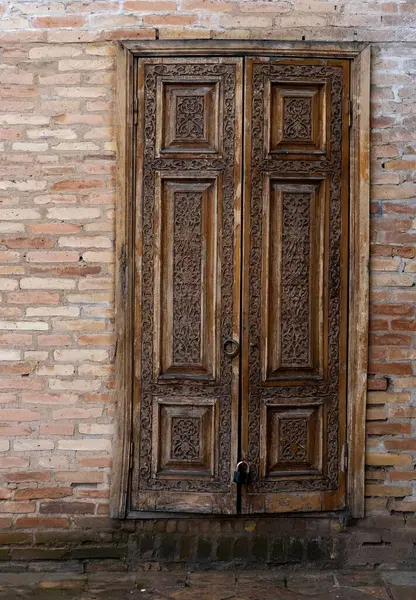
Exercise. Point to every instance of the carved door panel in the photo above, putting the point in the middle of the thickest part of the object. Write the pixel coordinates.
(295, 284)
(187, 284)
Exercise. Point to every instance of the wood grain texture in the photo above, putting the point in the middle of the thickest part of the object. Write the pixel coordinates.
(129, 313)
(124, 282)
(296, 243)
(359, 278)
(248, 47)
(187, 281)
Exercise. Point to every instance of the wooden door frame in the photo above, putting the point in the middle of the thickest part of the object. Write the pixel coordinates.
(360, 56)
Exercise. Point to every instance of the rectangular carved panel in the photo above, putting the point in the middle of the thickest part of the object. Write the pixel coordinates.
(298, 119)
(188, 116)
(185, 438)
(187, 277)
(294, 250)
(294, 440)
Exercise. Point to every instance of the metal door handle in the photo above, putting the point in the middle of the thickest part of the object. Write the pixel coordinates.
(231, 348)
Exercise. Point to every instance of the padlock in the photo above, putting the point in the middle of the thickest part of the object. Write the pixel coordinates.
(242, 473)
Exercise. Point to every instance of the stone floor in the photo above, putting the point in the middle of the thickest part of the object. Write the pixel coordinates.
(240, 585)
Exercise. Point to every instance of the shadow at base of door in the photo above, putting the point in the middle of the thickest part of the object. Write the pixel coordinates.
(222, 544)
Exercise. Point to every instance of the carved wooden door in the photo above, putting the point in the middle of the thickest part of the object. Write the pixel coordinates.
(188, 284)
(295, 284)
(199, 404)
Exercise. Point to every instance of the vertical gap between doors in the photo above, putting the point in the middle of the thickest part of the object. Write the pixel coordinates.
(240, 356)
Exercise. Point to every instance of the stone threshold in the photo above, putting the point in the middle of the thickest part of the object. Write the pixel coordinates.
(210, 585)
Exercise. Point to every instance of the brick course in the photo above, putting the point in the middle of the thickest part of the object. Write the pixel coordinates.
(57, 164)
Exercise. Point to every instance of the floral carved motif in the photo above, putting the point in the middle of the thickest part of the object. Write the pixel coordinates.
(185, 439)
(293, 440)
(190, 117)
(297, 118)
(187, 275)
(294, 341)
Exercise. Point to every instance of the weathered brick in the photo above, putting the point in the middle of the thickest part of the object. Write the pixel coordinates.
(56, 429)
(17, 414)
(67, 508)
(17, 507)
(44, 492)
(375, 428)
(85, 445)
(396, 491)
(388, 459)
(79, 476)
(57, 143)
(42, 523)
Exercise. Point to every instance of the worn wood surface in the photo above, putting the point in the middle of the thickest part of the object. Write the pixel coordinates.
(187, 281)
(296, 278)
(130, 312)
(124, 284)
(359, 278)
(246, 47)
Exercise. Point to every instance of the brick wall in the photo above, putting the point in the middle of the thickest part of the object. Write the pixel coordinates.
(57, 161)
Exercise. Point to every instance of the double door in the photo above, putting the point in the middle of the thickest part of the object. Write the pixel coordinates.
(241, 224)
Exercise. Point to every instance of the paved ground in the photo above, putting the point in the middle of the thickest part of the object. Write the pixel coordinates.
(243, 585)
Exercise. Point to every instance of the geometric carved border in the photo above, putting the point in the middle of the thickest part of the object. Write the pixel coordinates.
(185, 438)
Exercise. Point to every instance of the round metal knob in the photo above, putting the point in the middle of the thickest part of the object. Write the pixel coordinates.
(231, 348)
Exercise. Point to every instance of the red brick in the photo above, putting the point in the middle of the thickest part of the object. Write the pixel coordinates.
(13, 462)
(106, 398)
(169, 20)
(14, 430)
(23, 384)
(42, 523)
(25, 476)
(79, 184)
(104, 339)
(56, 429)
(140, 5)
(17, 507)
(72, 271)
(403, 325)
(33, 298)
(377, 383)
(53, 228)
(15, 339)
(67, 508)
(406, 444)
(390, 339)
(403, 412)
(40, 493)
(20, 242)
(5, 522)
(18, 368)
(402, 475)
(391, 309)
(95, 462)
(388, 428)
(54, 340)
(17, 414)
(397, 491)
(58, 22)
(79, 476)
(390, 368)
